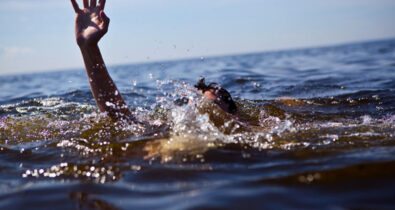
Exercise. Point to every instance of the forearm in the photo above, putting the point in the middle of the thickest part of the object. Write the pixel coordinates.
(105, 92)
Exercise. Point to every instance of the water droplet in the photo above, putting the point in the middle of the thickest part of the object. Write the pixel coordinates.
(256, 85)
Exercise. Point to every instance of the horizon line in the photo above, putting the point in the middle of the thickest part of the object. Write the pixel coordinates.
(339, 44)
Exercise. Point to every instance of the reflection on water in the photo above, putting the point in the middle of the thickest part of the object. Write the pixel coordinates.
(314, 122)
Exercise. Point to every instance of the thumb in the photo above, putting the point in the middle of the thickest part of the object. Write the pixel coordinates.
(104, 18)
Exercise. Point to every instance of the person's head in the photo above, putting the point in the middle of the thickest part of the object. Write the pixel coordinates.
(218, 95)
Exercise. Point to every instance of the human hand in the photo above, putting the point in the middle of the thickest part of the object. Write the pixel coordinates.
(91, 22)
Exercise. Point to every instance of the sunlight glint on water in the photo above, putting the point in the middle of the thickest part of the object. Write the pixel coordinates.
(312, 122)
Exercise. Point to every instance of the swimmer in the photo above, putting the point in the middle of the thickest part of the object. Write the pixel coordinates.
(91, 25)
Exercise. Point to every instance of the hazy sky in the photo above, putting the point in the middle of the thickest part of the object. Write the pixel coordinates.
(38, 35)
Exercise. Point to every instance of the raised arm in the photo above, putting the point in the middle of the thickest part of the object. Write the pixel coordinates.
(91, 25)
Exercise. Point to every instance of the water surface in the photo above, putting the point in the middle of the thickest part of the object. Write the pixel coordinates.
(316, 131)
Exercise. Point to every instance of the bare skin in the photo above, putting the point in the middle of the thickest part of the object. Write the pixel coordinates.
(91, 25)
(210, 94)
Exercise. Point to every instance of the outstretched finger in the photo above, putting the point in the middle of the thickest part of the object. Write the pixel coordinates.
(86, 5)
(102, 3)
(75, 6)
(93, 3)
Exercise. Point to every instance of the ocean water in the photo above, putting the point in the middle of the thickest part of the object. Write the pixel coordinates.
(316, 130)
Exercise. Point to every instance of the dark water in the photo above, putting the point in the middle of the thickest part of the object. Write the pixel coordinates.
(317, 132)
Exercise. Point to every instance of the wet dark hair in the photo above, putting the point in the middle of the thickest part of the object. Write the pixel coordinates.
(223, 95)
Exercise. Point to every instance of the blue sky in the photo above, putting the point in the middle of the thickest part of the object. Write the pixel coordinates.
(38, 35)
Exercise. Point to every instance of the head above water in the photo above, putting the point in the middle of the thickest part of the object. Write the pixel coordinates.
(218, 95)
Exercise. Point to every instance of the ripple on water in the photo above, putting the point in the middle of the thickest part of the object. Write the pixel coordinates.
(315, 122)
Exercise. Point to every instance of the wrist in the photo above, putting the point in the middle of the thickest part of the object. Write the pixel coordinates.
(87, 45)
(84, 42)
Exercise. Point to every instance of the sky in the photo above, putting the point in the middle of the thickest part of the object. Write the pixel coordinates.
(38, 35)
